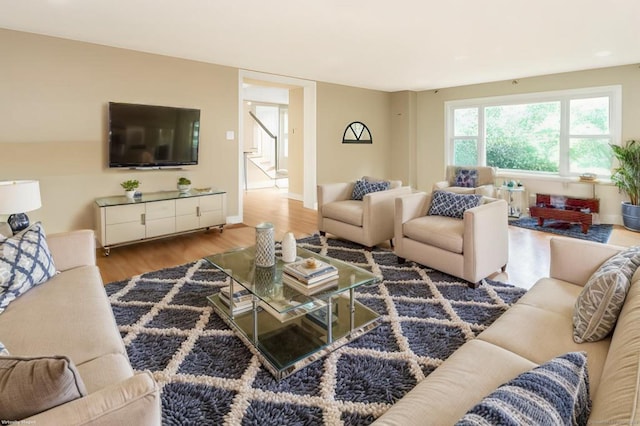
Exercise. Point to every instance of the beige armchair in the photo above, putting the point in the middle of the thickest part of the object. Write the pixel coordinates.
(484, 184)
(368, 222)
(471, 248)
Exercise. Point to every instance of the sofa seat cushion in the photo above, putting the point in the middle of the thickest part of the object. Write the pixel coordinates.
(104, 371)
(347, 211)
(69, 315)
(460, 382)
(439, 231)
(552, 295)
(540, 335)
(32, 385)
(554, 393)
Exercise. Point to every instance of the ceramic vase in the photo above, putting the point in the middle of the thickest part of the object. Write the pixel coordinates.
(265, 245)
(289, 247)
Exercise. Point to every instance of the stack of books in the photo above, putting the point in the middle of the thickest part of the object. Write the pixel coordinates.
(310, 275)
(241, 299)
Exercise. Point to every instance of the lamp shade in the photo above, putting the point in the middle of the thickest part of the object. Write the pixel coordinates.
(19, 196)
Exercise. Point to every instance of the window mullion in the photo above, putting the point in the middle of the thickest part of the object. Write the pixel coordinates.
(564, 144)
(482, 147)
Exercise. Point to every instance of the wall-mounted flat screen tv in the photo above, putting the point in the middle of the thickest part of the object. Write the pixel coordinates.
(149, 136)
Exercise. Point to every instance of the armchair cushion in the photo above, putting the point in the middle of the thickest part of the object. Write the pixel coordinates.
(466, 178)
(443, 232)
(347, 211)
(450, 204)
(363, 187)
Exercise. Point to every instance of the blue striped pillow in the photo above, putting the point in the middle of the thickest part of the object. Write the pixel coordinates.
(554, 393)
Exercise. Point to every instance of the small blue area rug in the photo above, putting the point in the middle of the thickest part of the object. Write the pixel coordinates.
(598, 233)
(208, 376)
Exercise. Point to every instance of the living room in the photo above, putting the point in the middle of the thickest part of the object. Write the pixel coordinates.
(53, 117)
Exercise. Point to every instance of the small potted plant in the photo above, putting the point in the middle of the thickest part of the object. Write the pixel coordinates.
(184, 184)
(627, 178)
(130, 187)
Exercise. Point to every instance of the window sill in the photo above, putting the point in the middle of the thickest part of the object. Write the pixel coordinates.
(508, 174)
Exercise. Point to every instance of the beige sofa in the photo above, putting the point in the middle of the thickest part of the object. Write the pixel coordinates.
(70, 315)
(471, 248)
(536, 329)
(368, 222)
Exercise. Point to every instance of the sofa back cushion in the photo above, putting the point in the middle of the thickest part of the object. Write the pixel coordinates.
(617, 399)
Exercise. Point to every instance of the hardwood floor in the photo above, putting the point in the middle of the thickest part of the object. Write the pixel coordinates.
(528, 250)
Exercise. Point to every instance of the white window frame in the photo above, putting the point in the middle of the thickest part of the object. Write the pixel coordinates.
(614, 93)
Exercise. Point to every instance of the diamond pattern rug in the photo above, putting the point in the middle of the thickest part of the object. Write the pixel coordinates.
(208, 376)
(599, 233)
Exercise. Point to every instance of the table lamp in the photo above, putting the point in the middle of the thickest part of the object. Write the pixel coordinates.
(16, 198)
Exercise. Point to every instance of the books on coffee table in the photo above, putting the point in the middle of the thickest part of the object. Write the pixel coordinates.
(273, 307)
(308, 289)
(310, 270)
(241, 299)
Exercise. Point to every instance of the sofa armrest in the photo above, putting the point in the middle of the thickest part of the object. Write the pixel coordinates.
(135, 401)
(330, 192)
(409, 207)
(486, 238)
(439, 186)
(73, 249)
(378, 212)
(574, 260)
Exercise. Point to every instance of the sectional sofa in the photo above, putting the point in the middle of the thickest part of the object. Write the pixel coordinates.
(536, 329)
(65, 325)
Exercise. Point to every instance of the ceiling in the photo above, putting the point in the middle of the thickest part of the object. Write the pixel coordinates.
(376, 44)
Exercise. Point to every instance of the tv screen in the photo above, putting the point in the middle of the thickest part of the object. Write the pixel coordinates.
(152, 136)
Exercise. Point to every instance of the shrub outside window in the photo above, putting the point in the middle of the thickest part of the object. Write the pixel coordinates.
(563, 133)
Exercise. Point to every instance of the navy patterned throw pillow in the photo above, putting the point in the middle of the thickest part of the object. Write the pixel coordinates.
(554, 393)
(450, 204)
(25, 262)
(363, 187)
(466, 178)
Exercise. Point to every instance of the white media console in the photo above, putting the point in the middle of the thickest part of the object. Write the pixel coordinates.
(121, 220)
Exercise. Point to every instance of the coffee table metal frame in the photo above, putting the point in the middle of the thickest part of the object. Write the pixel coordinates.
(284, 327)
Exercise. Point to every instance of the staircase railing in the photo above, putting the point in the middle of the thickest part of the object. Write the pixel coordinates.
(274, 137)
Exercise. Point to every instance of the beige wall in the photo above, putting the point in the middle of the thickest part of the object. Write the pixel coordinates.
(53, 98)
(337, 106)
(430, 158)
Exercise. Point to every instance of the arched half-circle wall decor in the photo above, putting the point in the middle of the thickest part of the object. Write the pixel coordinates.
(357, 132)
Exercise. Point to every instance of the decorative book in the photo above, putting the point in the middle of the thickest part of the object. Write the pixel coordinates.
(315, 287)
(310, 270)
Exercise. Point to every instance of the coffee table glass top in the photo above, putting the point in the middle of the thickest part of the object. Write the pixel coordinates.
(290, 329)
(239, 265)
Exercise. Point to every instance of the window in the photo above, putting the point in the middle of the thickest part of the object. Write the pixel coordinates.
(559, 133)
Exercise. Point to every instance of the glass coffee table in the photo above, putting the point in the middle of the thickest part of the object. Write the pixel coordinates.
(287, 328)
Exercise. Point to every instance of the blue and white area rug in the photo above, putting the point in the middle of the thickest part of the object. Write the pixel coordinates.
(598, 233)
(208, 376)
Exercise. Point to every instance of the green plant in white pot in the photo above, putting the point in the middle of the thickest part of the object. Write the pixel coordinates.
(130, 187)
(627, 178)
(184, 184)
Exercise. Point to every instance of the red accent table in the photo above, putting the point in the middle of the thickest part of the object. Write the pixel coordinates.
(573, 210)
